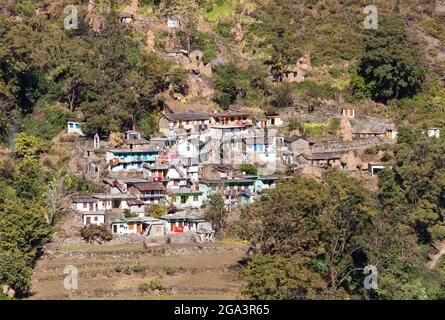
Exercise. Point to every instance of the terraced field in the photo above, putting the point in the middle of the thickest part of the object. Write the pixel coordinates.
(186, 271)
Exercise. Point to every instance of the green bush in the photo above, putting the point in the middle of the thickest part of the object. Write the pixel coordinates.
(335, 73)
(129, 214)
(138, 268)
(249, 169)
(170, 271)
(208, 46)
(154, 284)
(47, 124)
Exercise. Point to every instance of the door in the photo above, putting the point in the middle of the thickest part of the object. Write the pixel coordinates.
(88, 220)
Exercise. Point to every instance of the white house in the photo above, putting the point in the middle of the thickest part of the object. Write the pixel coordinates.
(147, 226)
(176, 178)
(434, 132)
(93, 217)
(74, 127)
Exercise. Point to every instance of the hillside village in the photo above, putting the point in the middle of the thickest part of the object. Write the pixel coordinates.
(198, 154)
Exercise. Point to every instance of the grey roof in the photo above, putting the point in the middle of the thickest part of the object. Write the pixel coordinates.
(372, 128)
(83, 199)
(323, 156)
(293, 138)
(141, 141)
(187, 116)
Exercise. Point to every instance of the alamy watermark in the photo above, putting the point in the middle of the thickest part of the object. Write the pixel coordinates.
(371, 21)
(71, 281)
(71, 21)
(371, 280)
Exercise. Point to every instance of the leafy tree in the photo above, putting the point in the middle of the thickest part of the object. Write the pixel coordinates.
(227, 84)
(275, 278)
(217, 213)
(391, 65)
(157, 211)
(283, 96)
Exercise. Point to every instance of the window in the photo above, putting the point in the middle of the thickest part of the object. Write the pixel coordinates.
(195, 198)
(71, 125)
(77, 126)
(85, 205)
(96, 219)
(183, 199)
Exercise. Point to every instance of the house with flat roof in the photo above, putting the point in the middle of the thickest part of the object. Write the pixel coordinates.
(147, 226)
(190, 122)
(93, 217)
(181, 222)
(236, 191)
(374, 129)
(119, 160)
(74, 127)
(322, 159)
(185, 198)
(230, 118)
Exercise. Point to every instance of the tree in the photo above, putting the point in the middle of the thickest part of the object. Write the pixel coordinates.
(346, 214)
(283, 96)
(284, 221)
(188, 12)
(157, 211)
(227, 84)
(274, 278)
(391, 64)
(217, 213)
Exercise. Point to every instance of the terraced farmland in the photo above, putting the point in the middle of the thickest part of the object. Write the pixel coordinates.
(186, 271)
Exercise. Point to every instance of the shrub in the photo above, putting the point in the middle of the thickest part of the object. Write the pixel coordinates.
(138, 268)
(118, 268)
(128, 214)
(334, 126)
(170, 271)
(154, 284)
(335, 73)
(249, 168)
(93, 233)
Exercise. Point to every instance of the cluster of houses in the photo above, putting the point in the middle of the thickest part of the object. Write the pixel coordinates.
(197, 155)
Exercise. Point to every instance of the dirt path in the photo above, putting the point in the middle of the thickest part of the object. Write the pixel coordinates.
(439, 251)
